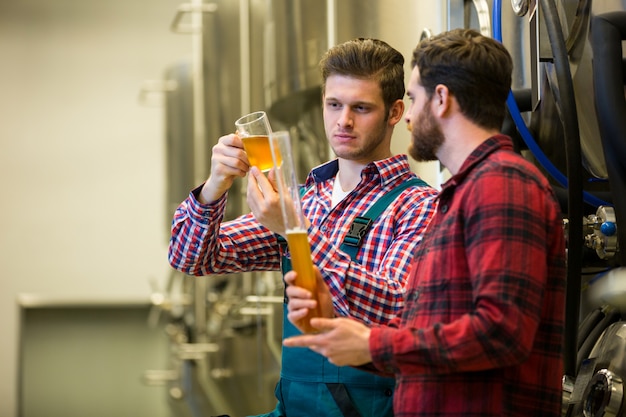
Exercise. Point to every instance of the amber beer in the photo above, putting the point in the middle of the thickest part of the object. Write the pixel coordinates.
(293, 218)
(301, 262)
(258, 150)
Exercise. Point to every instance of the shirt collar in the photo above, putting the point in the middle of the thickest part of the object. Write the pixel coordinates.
(384, 170)
(489, 146)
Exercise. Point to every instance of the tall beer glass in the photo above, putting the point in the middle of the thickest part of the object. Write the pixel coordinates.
(295, 223)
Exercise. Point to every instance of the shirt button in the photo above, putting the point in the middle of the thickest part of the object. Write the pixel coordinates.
(388, 392)
(444, 208)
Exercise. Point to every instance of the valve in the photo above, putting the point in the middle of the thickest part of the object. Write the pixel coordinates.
(602, 232)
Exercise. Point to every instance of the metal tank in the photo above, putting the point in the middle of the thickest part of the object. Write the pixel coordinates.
(294, 37)
(224, 345)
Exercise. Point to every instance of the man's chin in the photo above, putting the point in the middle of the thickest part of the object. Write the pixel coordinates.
(421, 156)
(413, 153)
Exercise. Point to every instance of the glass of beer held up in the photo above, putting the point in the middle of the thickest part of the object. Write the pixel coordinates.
(254, 130)
(295, 223)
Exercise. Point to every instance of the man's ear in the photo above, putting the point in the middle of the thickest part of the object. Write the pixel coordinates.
(442, 100)
(396, 112)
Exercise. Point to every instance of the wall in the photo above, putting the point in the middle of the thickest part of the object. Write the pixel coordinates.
(81, 160)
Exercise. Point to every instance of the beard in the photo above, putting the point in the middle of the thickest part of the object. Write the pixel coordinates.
(426, 136)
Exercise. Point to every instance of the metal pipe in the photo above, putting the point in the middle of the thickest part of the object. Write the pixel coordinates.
(575, 189)
(199, 122)
(331, 22)
(244, 54)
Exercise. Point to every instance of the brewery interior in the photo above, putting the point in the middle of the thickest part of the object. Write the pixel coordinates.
(110, 110)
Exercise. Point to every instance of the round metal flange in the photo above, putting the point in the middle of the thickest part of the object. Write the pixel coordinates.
(604, 395)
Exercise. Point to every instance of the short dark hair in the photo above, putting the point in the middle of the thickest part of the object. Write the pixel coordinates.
(367, 58)
(475, 68)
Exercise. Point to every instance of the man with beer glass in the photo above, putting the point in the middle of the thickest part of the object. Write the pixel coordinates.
(362, 92)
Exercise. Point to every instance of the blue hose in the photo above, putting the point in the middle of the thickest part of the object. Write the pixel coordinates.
(523, 129)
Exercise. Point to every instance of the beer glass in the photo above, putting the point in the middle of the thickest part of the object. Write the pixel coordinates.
(295, 223)
(254, 130)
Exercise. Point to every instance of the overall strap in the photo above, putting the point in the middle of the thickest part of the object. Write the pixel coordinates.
(361, 224)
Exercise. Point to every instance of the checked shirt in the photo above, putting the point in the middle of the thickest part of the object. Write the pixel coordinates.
(481, 332)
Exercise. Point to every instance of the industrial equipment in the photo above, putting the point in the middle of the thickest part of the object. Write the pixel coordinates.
(572, 123)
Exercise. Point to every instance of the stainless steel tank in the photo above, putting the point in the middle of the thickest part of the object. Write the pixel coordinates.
(225, 331)
(294, 37)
